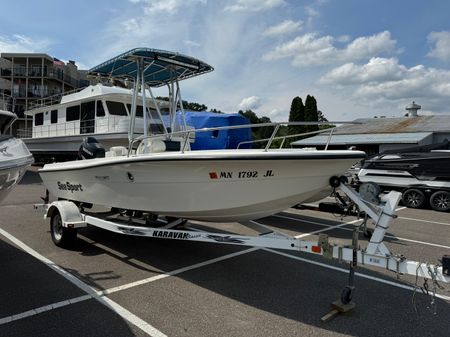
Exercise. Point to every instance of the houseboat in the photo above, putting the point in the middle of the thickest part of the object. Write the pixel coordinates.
(61, 123)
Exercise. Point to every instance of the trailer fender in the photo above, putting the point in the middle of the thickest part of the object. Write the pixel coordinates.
(70, 213)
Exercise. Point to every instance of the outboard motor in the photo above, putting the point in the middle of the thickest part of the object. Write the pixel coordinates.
(90, 149)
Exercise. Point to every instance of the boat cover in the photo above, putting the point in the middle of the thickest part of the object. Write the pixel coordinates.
(161, 67)
(217, 139)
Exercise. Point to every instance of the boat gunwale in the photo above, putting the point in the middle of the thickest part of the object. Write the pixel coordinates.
(195, 156)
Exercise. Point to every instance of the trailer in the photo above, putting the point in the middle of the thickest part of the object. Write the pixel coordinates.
(66, 217)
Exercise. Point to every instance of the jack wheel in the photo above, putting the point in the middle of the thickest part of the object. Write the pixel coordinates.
(347, 295)
(61, 236)
(413, 198)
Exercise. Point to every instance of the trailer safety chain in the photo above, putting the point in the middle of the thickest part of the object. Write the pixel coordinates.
(432, 272)
(416, 286)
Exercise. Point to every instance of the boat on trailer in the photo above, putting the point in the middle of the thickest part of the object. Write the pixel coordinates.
(216, 186)
(210, 185)
(14, 155)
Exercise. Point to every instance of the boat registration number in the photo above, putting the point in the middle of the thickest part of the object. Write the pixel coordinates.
(240, 174)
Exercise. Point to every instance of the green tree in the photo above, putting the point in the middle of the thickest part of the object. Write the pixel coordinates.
(321, 118)
(258, 132)
(311, 113)
(296, 114)
(192, 106)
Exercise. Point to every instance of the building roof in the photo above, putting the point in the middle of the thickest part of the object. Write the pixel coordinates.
(435, 123)
(380, 138)
(9, 56)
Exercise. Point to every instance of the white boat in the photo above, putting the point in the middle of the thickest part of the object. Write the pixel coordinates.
(61, 122)
(14, 156)
(223, 185)
(209, 185)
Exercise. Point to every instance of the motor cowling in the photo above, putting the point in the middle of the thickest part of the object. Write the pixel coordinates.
(90, 149)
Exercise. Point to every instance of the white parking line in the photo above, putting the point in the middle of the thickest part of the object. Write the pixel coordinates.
(177, 271)
(124, 313)
(101, 295)
(373, 278)
(330, 227)
(146, 327)
(326, 229)
(427, 221)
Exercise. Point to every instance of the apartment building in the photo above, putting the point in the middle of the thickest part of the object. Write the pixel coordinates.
(28, 77)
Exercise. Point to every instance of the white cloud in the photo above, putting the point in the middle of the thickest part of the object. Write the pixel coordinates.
(23, 44)
(441, 49)
(130, 25)
(376, 70)
(387, 82)
(367, 46)
(343, 38)
(166, 6)
(311, 12)
(191, 43)
(254, 5)
(310, 49)
(285, 27)
(249, 103)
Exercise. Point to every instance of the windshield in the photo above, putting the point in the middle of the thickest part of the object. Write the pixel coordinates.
(5, 123)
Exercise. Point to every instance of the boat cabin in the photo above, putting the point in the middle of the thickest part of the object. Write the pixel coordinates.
(96, 109)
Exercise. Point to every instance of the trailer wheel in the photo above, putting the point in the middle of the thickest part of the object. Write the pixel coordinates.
(62, 237)
(440, 201)
(413, 198)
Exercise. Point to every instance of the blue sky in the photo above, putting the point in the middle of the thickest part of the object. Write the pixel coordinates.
(358, 58)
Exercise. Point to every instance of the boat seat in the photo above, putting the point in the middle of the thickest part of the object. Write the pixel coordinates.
(153, 145)
(116, 151)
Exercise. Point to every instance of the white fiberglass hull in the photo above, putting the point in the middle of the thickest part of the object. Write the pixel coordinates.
(14, 161)
(225, 185)
(397, 179)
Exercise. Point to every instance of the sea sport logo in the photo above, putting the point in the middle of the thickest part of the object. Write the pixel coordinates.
(67, 186)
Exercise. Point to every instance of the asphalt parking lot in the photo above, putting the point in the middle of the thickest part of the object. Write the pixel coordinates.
(115, 285)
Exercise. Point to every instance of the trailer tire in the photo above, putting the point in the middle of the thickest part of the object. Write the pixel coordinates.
(61, 236)
(440, 201)
(413, 198)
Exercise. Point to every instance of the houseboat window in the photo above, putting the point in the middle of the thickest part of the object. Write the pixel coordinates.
(87, 122)
(139, 110)
(100, 109)
(116, 108)
(39, 119)
(73, 113)
(88, 110)
(54, 116)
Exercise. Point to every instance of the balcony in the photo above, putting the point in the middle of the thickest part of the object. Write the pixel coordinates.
(38, 71)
